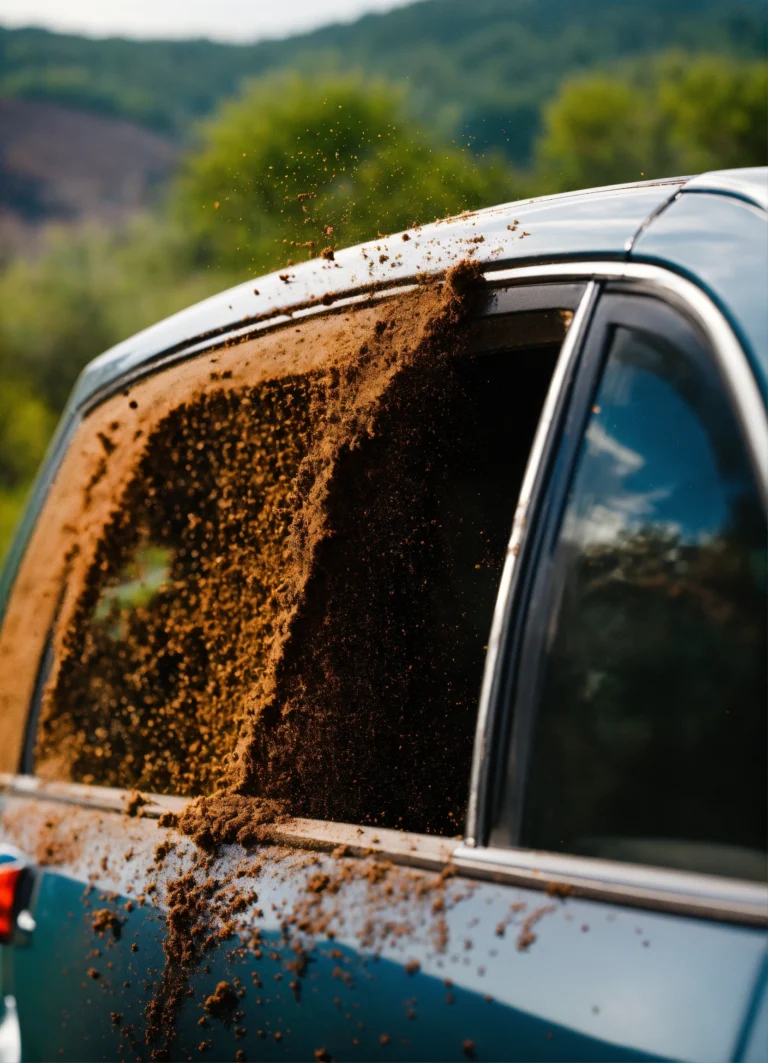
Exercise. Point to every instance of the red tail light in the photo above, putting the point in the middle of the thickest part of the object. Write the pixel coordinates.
(10, 879)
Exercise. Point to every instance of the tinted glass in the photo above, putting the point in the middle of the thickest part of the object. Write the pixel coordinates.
(649, 742)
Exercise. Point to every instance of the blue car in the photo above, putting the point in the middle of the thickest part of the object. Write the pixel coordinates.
(383, 666)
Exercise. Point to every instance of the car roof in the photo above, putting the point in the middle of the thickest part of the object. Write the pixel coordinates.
(600, 223)
(597, 223)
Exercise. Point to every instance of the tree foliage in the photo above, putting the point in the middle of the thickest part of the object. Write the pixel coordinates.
(679, 116)
(296, 165)
(478, 71)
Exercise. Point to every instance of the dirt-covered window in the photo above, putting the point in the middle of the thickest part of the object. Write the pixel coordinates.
(291, 588)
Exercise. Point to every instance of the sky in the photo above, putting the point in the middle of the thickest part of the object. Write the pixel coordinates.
(227, 20)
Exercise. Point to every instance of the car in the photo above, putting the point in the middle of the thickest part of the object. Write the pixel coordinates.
(383, 656)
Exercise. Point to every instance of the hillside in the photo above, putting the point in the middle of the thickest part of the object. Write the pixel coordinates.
(478, 71)
(59, 164)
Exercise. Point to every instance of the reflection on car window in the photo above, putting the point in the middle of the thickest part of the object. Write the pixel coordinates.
(135, 587)
(650, 737)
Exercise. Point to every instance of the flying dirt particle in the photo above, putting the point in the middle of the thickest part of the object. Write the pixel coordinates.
(93, 973)
(327, 253)
(256, 291)
(285, 277)
(168, 819)
(526, 936)
(322, 1055)
(108, 444)
(468, 1048)
(384, 1039)
(116, 1017)
(162, 850)
(405, 237)
(383, 258)
(301, 196)
(104, 920)
(240, 1056)
(412, 966)
(559, 889)
(133, 803)
(222, 1003)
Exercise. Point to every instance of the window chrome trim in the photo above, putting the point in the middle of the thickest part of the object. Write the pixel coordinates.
(682, 892)
(484, 727)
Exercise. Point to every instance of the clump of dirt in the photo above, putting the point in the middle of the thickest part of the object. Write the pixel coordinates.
(229, 818)
(222, 1003)
(105, 920)
(259, 620)
(134, 802)
(200, 913)
(175, 622)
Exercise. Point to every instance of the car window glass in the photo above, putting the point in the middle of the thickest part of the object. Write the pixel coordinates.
(163, 654)
(649, 741)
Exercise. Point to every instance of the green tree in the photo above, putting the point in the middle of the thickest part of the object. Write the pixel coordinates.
(26, 424)
(677, 115)
(87, 290)
(299, 164)
(597, 131)
(715, 112)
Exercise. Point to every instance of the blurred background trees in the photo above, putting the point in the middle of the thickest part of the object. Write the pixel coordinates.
(397, 119)
(675, 115)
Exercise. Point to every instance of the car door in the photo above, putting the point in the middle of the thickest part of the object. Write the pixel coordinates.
(325, 938)
(629, 719)
(349, 940)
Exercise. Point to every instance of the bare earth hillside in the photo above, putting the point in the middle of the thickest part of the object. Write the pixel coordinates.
(58, 164)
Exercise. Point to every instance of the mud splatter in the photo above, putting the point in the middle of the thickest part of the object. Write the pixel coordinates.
(244, 631)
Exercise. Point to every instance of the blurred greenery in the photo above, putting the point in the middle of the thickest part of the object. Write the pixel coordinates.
(296, 163)
(677, 115)
(351, 147)
(477, 71)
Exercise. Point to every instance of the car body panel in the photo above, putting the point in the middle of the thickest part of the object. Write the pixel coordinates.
(597, 981)
(749, 184)
(721, 243)
(754, 1047)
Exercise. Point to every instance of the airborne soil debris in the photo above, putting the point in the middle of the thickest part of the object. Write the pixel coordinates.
(222, 1003)
(134, 802)
(104, 920)
(244, 632)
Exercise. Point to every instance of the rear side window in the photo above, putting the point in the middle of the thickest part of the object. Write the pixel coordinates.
(648, 741)
(290, 575)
